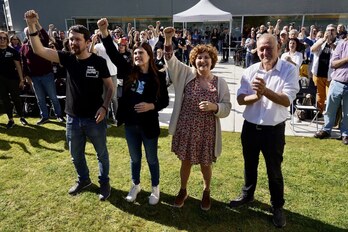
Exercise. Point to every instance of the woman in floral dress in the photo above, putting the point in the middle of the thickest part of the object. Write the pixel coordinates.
(201, 99)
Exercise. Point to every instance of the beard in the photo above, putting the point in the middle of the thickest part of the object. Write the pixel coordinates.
(76, 51)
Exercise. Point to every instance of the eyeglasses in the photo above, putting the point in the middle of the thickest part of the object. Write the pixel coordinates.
(3, 38)
(331, 30)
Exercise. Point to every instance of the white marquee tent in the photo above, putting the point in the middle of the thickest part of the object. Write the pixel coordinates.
(204, 11)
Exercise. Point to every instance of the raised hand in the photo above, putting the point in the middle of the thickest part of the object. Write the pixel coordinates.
(31, 17)
(168, 32)
(103, 27)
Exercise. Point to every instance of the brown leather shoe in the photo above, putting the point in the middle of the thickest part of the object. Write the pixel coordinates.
(321, 134)
(345, 140)
(206, 202)
(180, 198)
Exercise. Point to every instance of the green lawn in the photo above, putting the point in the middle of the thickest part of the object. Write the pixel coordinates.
(36, 173)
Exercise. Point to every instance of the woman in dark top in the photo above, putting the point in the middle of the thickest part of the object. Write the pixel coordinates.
(144, 94)
(214, 38)
(11, 80)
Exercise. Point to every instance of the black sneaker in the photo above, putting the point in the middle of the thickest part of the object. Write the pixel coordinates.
(23, 121)
(42, 121)
(240, 201)
(10, 124)
(79, 186)
(279, 219)
(105, 191)
(321, 134)
(61, 119)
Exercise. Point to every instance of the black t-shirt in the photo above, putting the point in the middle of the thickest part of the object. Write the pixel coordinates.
(84, 84)
(159, 63)
(324, 60)
(8, 68)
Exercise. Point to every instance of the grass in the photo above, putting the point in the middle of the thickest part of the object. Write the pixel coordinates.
(36, 172)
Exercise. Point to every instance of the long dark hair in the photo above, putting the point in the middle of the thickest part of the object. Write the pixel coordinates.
(298, 45)
(153, 71)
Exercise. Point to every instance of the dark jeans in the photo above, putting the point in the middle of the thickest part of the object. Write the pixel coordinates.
(225, 53)
(77, 131)
(135, 137)
(270, 140)
(9, 91)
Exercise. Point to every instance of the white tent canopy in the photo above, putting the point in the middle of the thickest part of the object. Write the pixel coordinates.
(203, 11)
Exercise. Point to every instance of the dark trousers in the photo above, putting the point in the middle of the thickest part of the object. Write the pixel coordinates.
(9, 91)
(270, 140)
(225, 53)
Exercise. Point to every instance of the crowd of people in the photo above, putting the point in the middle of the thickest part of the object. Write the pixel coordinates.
(125, 75)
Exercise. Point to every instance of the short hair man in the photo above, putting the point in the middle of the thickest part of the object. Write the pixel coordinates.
(338, 93)
(322, 50)
(85, 106)
(267, 89)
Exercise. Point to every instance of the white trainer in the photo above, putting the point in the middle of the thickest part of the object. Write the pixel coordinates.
(133, 192)
(155, 195)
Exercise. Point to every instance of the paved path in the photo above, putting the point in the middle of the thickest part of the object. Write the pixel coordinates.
(232, 74)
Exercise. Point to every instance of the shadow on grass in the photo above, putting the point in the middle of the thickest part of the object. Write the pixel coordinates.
(119, 132)
(255, 217)
(34, 134)
(5, 157)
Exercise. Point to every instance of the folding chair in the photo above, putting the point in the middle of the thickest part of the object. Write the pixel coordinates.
(305, 89)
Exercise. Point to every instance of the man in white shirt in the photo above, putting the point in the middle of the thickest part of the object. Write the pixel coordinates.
(267, 89)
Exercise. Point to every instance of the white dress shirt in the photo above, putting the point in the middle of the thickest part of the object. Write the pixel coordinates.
(281, 79)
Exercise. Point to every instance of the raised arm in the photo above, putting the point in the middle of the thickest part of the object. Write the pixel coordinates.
(339, 58)
(277, 27)
(123, 67)
(32, 19)
(168, 41)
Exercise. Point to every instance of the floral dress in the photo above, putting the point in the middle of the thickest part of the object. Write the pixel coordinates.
(194, 138)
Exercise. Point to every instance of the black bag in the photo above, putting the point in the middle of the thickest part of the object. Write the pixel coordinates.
(31, 108)
(305, 114)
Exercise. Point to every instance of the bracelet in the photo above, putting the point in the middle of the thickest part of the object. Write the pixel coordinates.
(34, 33)
(106, 110)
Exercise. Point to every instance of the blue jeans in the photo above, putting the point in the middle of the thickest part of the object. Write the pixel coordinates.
(338, 93)
(77, 132)
(135, 136)
(248, 59)
(45, 86)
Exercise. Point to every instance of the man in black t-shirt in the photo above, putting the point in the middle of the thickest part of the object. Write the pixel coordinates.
(85, 107)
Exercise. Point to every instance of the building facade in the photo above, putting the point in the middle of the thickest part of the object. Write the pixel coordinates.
(140, 13)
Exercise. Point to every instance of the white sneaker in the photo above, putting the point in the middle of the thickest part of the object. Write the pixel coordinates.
(155, 195)
(133, 192)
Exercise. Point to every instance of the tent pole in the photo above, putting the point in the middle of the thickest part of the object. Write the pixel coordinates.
(229, 40)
